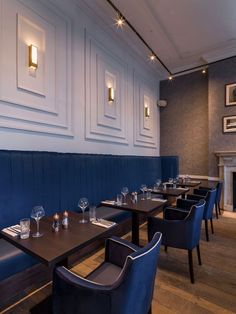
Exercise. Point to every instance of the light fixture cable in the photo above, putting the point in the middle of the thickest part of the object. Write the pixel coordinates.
(154, 55)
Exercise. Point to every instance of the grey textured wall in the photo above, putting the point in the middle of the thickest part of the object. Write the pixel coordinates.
(220, 74)
(191, 124)
(184, 122)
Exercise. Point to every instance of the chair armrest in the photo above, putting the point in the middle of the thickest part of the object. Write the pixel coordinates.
(117, 249)
(200, 192)
(195, 197)
(185, 204)
(171, 213)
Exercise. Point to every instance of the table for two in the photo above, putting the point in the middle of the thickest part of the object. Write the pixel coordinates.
(54, 248)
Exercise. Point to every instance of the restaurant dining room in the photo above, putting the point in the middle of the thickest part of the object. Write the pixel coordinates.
(117, 156)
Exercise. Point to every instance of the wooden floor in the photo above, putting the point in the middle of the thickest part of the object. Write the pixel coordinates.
(215, 287)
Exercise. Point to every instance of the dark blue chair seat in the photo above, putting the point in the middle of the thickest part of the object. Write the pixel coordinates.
(13, 260)
(209, 196)
(218, 187)
(124, 283)
(180, 229)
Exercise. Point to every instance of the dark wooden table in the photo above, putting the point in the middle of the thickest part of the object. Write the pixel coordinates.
(175, 192)
(54, 248)
(189, 184)
(144, 207)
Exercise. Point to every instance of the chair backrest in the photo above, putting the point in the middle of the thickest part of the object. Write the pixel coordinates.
(138, 278)
(192, 231)
(218, 191)
(210, 202)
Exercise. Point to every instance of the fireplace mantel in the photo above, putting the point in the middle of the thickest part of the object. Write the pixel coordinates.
(227, 166)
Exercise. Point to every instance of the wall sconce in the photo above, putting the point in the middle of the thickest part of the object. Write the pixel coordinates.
(33, 57)
(111, 94)
(146, 112)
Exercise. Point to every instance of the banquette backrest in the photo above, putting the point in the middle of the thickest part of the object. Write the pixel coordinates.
(58, 180)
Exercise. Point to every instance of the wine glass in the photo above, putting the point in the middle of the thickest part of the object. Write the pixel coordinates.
(37, 213)
(83, 203)
(124, 192)
(143, 188)
(158, 183)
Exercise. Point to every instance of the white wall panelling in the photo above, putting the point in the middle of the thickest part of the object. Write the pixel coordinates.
(145, 129)
(64, 105)
(39, 102)
(105, 121)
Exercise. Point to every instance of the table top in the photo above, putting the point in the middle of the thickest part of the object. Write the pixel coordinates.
(54, 247)
(171, 191)
(190, 184)
(145, 207)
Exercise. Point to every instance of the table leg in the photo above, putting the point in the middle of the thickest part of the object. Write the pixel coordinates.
(135, 228)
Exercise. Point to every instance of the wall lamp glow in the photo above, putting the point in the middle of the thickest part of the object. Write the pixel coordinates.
(147, 112)
(111, 94)
(33, 57)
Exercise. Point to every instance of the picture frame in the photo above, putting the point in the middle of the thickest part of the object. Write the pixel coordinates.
(229, 124)
(230, 94)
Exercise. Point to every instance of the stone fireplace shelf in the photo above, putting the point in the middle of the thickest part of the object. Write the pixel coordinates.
(227, 166)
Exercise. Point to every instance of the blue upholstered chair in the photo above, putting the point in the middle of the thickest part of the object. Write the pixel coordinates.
(180, 229)
(122, 284)
(210, 197)
(218, 187)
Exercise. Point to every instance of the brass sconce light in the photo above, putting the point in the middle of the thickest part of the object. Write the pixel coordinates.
(146, 111)
(33, 57)
(111, 94)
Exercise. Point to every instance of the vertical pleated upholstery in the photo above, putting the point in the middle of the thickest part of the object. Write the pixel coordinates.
(169, 167)
(58, 180)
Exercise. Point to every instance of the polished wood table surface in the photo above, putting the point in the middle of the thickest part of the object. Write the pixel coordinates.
(146, 207)
(55, 247)
(171, 191)
(189, 184)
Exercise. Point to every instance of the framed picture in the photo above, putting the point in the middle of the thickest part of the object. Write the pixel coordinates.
(230, 94)
(229, 124)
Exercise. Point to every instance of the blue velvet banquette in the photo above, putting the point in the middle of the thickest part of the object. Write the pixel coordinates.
(58, 180)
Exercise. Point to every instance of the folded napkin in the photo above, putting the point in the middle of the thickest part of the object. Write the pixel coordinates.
(13, 231)
(156, 199)
(109, 202)
(103, 223)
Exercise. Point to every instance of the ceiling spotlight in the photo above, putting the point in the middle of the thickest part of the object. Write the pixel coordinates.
(152, 57)
(170, 77)
(120, 21)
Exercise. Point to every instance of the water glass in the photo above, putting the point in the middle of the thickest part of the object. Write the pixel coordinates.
(92, 213)
(119, 199)
(149, 195)
(24, 228)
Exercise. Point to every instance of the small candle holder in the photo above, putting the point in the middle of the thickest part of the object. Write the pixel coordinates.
(56, 223)
(65, 220)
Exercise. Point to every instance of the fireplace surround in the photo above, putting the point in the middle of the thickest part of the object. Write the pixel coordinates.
(227, 168)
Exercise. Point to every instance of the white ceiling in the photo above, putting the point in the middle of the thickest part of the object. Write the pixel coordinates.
(183, 33)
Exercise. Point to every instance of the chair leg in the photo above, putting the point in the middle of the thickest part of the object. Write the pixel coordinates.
(190, 263)
(199, 255)
(206, 229)
(216, 209)
(219, 208)
(212, 229)
(165, 248)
